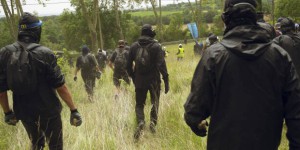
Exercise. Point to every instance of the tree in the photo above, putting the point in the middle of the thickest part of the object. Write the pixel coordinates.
(74, 29)
(90, 15)
(259, 7)
(287, 8)
(11, 15)
(117, 17)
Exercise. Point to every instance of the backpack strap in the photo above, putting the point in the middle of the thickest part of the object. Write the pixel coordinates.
(28, 46)
(12, 47)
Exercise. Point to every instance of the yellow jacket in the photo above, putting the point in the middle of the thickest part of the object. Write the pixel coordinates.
(180, 52)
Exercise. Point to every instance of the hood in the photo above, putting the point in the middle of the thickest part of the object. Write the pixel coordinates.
(248, 42)
(145, 40)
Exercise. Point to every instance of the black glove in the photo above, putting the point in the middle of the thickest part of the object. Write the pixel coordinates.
(202, 126)
(10, 118)
(75, 118)
(167, 87)
(75, 78)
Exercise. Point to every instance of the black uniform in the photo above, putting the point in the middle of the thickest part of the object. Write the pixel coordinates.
(101, 59)
(43, 106)
(291, 43)
(248, 86)
(120, 71)
(150, 81)
(87, 63)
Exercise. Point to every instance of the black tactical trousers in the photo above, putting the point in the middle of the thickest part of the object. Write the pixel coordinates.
(141, 95)
(89, 84)
(49, 129)
(120, 75)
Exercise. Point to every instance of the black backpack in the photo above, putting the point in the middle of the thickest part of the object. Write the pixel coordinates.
(86, 61)
(21, 69)
(120, 62)
(101, 58)
(142, 59)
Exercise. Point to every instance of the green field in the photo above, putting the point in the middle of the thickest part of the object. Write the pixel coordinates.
(150, 13)
(109, 124)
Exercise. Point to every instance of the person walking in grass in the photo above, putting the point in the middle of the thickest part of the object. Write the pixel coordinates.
(88, 65)
(180, 53)
(101, 59)
(290, 41)
(31, 72)
(148, 57)
(247, 85)
(118, 62)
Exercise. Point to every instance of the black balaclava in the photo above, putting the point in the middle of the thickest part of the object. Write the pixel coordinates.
(239, 12)
(147, 30)
(30, 28)
(286, 25)
(85, 50)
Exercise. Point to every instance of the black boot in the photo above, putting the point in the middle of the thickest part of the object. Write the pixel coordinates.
(139, 130)
(152, 127)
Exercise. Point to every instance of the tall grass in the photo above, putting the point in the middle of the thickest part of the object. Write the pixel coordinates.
(109, 124)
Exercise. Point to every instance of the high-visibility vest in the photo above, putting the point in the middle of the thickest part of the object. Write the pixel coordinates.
(180, 52)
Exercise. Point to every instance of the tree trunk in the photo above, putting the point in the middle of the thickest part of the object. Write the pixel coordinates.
(11, 18)
(19, 8)
(193, 10)
(116, 8)
(273, 11)
(92, 22)
(198, 15)
(101, 44)
(154, 11)
(259, 8)
(160, 23)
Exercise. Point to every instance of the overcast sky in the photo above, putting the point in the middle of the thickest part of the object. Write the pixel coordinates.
(56, 7)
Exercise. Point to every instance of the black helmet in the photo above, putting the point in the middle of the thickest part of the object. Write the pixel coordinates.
(148, 30)
(239, 11)
(230, 3)
(30, 28)
(286, 25)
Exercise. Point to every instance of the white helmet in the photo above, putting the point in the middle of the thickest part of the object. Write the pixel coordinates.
(180, 45)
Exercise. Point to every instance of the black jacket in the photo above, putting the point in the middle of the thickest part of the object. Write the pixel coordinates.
(248, 86)
(291, 43)
(44, 102)
(156, 58)
(87, 63)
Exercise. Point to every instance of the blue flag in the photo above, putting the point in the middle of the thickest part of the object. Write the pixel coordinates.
(193, 29)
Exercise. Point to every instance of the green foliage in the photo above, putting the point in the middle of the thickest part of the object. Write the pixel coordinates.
(6, 38)
(74, 30)
(132, 33)
(63, 61)
(288, 8)
(174, 30)
(203, 30)
(218, 26)
(209, 16)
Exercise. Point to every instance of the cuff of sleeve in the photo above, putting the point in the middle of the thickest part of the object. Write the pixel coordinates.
(8, 113)
(196, 130)
(73, 111)
(3, 89)
(59, 83)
